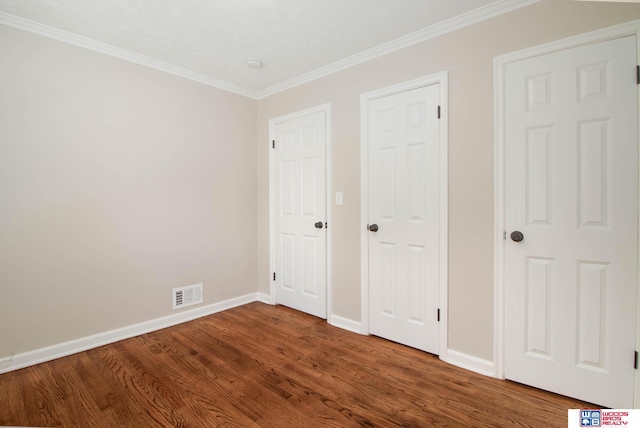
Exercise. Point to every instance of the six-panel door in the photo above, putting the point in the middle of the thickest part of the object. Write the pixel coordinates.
(403, 188)
(300, 202)
(571, 180)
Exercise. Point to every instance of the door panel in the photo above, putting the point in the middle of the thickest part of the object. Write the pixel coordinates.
(571, 174)
(403, 198)
(300, 202)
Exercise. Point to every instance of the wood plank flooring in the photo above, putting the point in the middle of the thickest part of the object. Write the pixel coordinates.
(265, 366)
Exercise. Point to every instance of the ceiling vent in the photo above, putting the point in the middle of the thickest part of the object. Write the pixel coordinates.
(187, 296)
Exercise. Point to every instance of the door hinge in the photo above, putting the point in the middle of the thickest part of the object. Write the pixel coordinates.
(438, 314)
(438, 112)
(273, 144)
(635, 360)
(274, 276)
(638, 74)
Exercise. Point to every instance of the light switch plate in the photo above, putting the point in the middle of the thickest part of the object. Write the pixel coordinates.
(339, 200)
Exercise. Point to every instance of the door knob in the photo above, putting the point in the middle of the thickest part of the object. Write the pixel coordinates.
(318, 225)
(373, 228)
(517, 236)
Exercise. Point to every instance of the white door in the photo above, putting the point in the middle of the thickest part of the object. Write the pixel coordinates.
(300, 212)
(404, 259)
(571, 177)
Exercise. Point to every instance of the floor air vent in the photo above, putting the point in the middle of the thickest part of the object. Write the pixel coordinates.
(187, 296)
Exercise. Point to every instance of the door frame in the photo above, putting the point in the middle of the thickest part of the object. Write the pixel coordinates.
(273, 123)
(441, 78)
(499, 66)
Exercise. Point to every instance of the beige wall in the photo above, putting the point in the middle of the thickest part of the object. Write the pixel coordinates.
(468, 55)
(117, 183)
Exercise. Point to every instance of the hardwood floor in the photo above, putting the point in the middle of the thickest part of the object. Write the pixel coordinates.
(264, 366)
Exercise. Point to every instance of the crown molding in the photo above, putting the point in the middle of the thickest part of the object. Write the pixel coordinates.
(481, 14)
(94, 45)
(494, 9)
(614, 1)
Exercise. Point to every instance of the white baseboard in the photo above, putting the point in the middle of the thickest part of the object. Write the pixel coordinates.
(264, 298)
(49, 353)
(345, 324)
(469, 362)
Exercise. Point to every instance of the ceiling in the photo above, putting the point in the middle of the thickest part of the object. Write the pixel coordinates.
(212, 40)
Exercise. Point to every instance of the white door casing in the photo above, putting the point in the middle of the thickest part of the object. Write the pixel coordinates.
(571, 188)
(404, 194)
(299, 195)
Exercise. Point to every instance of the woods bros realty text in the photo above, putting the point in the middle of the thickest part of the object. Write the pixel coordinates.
(615, 418)
(604, 418)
